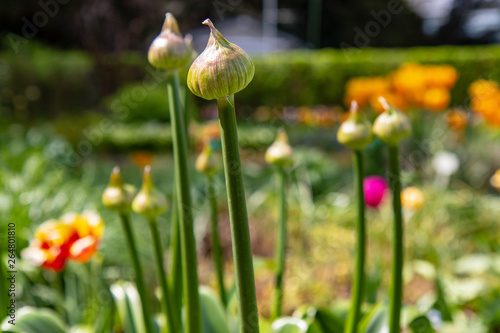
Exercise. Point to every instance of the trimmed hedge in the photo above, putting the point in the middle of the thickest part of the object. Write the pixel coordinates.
(310, 77)
(72, 82)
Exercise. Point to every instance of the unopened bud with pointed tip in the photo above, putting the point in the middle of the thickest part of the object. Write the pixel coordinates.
(356, 131)
(149, 202)
(169, 50)
(280, 153)
(118, 196)
(207, 162)
(222, 69)
(391, 125)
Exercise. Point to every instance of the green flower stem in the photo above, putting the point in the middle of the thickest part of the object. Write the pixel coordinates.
(168, 309)
(357, 293)
(240, 233)
(175, 248)
(188, 244)
(139, 277)
(217, 248)
(187, 117)
(280, 242)
(397, 247)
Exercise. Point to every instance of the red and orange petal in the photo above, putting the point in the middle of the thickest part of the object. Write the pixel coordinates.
(95, 224)
(83, 249)
(53, 233)
(77, 224)
(53, 258)
(56, 259)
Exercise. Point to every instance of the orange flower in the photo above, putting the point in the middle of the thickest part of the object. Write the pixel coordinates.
(457, 119)
(393, 99)
(141, 158)
(408, 78)
(486, 100)
(436, 99)
(483, 89)
(362, 89)
(443, 76)
(412, 84)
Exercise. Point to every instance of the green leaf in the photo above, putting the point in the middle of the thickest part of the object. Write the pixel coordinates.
(329, 322)
(128, 304)
(421, 324)
(375, 320)
(33, 320)
(315, 327)
(441, 304)
(494, 324)
(289, 325)
(213, 318)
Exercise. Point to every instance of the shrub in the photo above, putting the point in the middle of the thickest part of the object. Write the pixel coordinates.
(309, 77)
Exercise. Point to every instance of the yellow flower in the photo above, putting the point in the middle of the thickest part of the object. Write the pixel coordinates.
(495, 180)
(412, 198)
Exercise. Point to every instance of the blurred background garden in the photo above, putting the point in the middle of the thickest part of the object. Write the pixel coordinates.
(78, 96)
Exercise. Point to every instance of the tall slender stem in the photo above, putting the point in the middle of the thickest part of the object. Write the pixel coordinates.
(357, 293)
(217, 248)
(168, 309)
(280, 242)
(240, 233)
(397, 242)
(188, 244)
(175, 247)
(139, 277)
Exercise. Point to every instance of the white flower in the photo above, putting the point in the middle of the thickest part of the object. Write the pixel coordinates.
(445, 163)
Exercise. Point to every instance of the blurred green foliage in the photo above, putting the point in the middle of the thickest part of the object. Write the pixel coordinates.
(39, 81)
(306, 77)
(42, 82)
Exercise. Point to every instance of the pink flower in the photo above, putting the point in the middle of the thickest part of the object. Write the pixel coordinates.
(375, 188)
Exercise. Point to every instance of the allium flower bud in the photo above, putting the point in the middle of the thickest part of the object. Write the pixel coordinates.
(391, 125)
(169, 50)
(207, 162)
(356, 131)
(149, 201)
(222, 69)
(118, 196)
(280, 153)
